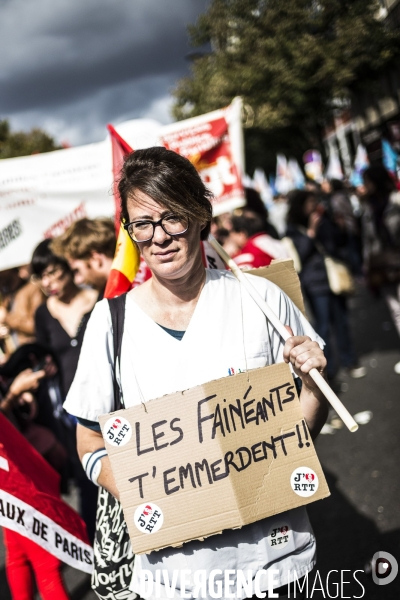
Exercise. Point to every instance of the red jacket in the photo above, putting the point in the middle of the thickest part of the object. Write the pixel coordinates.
(258, 251)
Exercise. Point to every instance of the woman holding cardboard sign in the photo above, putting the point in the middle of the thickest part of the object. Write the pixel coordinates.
(185, 326)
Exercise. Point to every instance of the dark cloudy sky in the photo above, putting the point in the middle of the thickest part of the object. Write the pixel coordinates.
(71, 66)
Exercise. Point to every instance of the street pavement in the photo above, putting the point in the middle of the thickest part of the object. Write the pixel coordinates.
(362, 515)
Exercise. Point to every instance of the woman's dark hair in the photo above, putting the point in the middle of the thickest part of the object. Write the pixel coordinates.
(296, 202)
(169, 179)
(381, 179)
(43, 257)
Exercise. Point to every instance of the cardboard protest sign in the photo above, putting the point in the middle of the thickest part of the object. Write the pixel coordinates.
(217, 456)
(283, 274)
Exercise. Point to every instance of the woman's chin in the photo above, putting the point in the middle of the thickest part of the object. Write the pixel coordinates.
(169, 270)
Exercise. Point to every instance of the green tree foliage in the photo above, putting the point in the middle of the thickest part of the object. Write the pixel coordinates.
(22, 143)
(290, 60)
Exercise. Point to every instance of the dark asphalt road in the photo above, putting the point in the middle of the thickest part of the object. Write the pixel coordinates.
(362, 515)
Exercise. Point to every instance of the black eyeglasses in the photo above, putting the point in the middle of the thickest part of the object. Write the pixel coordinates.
(143, 231)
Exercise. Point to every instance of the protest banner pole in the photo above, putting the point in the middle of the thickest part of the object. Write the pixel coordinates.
(283, 332)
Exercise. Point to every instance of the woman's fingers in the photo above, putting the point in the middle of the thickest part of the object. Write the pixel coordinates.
(304, 354)
(307, 361)
(25, 381)
(290, 349)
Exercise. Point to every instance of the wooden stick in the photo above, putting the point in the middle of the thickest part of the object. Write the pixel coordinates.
(283, 332)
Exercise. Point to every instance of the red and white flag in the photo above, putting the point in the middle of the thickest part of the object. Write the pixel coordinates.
(126, 259)
(30, 502)
(214, 144)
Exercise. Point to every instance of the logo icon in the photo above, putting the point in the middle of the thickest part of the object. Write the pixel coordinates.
(384, 568)
(279, 535)
(304, 482)
(148, 518)
(117, 431)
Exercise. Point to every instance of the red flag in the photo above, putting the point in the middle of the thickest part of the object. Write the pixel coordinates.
(30, 503)
(128, 269)
(126, 260)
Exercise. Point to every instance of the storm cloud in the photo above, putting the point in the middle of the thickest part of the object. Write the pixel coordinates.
(71, 66)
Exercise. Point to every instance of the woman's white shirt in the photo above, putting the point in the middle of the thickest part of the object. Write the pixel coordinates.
(227, 334)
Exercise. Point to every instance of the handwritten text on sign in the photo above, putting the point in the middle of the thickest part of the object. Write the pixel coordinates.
(228, 448)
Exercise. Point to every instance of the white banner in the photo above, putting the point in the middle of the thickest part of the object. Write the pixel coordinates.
(41, 195)
(29, 522)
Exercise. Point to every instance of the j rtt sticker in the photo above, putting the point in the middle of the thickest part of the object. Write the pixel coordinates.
(304, 481)
(148, 518)
(117, 431)
(279, 535)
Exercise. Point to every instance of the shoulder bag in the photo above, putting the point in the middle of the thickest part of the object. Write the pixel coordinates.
(340, 278)
(113, 555)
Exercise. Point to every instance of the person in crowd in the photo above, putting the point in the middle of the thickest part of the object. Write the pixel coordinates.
(18, 404)
(341, 209)
(48, 414)
(256, 247)
(61, 320)
(314, 233)
(192, 323)
(17, 309)
(60, 325)
(255, 204)
(381, 239)
(89, 246)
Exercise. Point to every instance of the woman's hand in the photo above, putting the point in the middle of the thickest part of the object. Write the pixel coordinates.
(26, 381)
(19, 391)
(304, 354)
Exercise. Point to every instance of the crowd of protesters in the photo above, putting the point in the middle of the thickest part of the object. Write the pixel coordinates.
(45, 307)
(357, 228)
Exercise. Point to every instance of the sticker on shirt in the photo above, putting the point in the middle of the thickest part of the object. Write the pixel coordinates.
(148, 518)
(304, 481)
(279, 535)
(117, 431)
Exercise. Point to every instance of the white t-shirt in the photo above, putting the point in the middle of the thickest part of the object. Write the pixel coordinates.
(227, 333)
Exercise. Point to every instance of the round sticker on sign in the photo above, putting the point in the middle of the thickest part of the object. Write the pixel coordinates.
(304, 481)
(279, 535)
(148, 518)
(117, 431)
